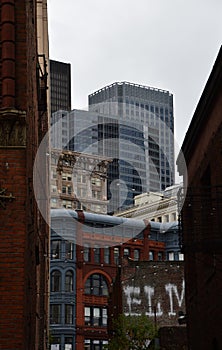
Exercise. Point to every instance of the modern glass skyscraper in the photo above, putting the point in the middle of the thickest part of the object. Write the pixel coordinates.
(133, 125)
(152, 110)
(60, 83)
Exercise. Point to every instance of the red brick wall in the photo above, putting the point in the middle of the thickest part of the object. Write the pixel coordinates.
(202, 219)
(24, 235)
(12, 248)
(154, 288)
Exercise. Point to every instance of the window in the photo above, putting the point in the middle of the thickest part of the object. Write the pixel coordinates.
(96, 285)
(106, 255)
(69, 281)
(69, 188)
(136, 254)
(96, 254)
(54, 188)
(55, 313)
(151, 255)
(56, 249)
(92, 344)
(68, 314)
(126, 252)
(68, 343)
(116, 255)
(56, 343)
(55, 281)
(181, 256)
(95, 316)
(86, 253)
(171, 256)
(160, 256)
(69, 250)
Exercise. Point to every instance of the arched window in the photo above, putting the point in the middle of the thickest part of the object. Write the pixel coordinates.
(56, 281)
(96, 285)
(69, 281)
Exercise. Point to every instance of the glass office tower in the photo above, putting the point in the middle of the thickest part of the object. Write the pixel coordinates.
(152, 110)
(60, 83)
(134, 126)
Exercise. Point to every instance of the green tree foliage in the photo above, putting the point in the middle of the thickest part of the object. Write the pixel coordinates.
(132, 333)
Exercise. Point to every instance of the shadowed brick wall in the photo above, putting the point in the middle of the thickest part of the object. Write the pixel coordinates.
(24, 235)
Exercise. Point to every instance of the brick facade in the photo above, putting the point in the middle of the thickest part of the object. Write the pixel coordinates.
(24, 234)
(153, 288)
(201, 216)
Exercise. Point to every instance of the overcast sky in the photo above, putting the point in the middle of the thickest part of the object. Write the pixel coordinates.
(167, 44)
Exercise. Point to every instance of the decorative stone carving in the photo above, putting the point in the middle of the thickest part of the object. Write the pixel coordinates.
(12, 128)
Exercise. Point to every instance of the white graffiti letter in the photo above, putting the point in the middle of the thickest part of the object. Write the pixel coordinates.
(149, 291)
(129, 292)
(170, 288)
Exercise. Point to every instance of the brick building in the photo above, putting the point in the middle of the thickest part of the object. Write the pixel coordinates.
(155, 289)
(201, 216)
(80, 309)
(23, 123)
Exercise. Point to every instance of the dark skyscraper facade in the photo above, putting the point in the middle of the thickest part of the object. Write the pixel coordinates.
(60, 80)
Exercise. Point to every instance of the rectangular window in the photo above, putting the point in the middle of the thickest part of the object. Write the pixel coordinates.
(106, 255)
(160, 256)
(116, 255)
(151, 255)
(86, 253)
(68, 343)
(69, 190)
(181, 256)
(171, 256)
(69, 250)
(55, 314)
(56, 343)
(126, 252)
(68, 314)
(97, 255)
(104, 317)
(87, 316)
(136, 254)
(55, 250)
(95, 316)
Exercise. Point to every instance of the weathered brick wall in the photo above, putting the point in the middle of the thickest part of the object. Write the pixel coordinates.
(12, 250)
(24, 235)
(154, 288)
(202, 229)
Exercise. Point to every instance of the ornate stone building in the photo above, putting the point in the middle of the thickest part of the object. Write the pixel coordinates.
(79, 181)
(155, 206)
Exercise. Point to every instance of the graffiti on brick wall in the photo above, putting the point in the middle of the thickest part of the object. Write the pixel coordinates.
(171, 296)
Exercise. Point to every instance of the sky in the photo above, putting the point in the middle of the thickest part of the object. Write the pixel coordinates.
(166, 44)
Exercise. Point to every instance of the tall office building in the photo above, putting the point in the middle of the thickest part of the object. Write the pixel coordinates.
(134, 126)
(151, 109)
(60, 83)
